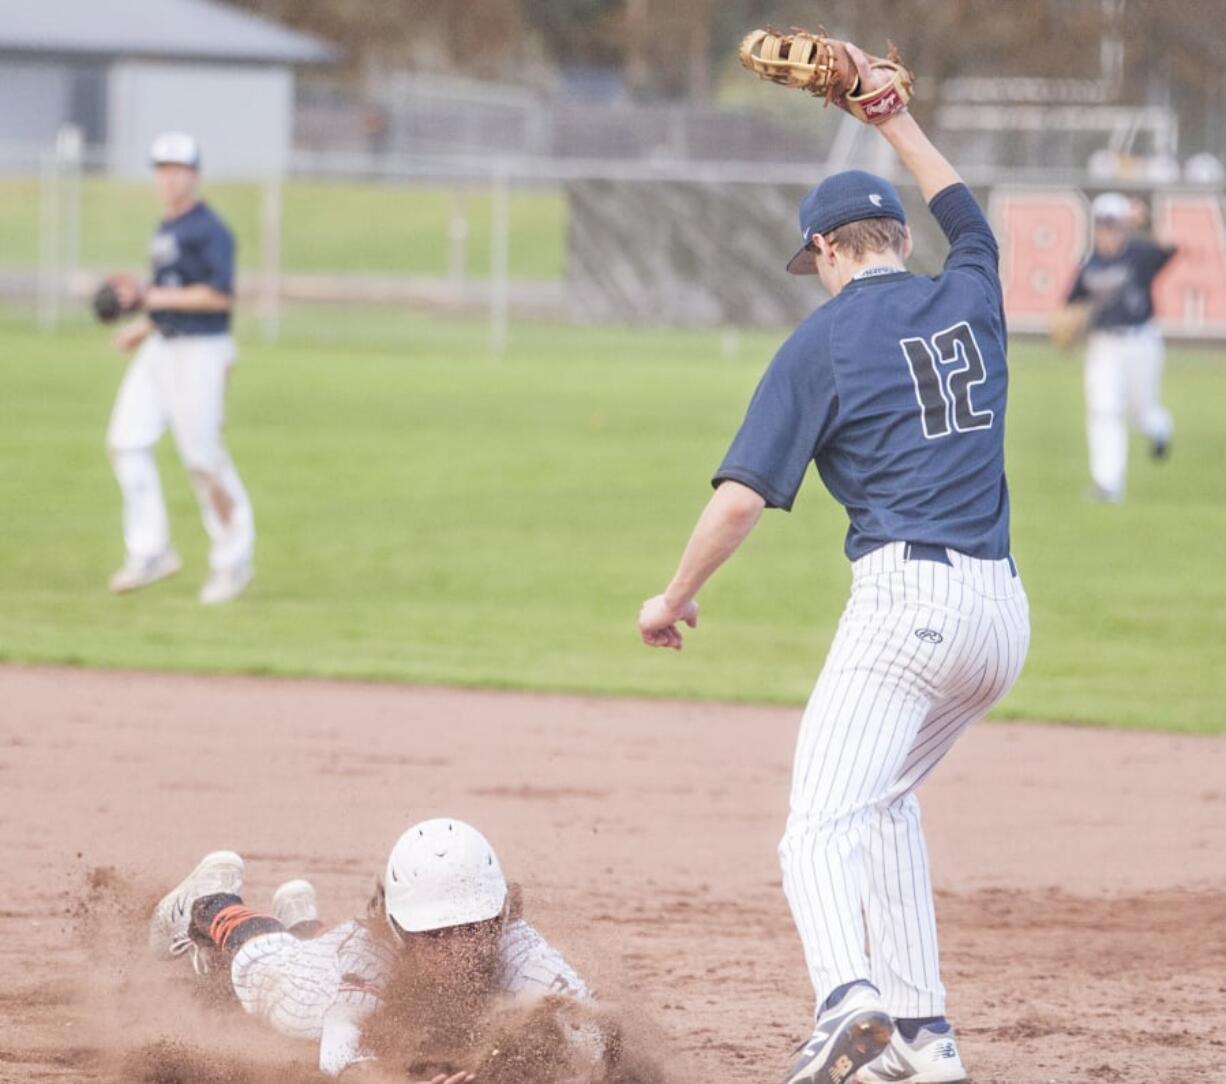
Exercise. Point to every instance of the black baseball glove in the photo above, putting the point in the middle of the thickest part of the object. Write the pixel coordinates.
(119, 295)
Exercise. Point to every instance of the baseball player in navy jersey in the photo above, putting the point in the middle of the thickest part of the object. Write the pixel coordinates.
(1124, 355)
(178, 378)
(896, 389)
(442, 905)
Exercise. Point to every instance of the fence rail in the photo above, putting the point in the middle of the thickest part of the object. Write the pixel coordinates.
(517, 235)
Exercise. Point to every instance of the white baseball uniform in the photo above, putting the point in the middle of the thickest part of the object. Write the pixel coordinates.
(1124, 358)
(1123, 379)
(178, 379)
(178, 382)
(324, 987)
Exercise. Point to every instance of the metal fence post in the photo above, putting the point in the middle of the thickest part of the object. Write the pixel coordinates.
(457, 247)
(500, 244)
(48, 242)
(271, 213)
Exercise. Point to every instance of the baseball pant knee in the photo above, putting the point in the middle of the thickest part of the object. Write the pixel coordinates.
(275, 979)
(146, 528)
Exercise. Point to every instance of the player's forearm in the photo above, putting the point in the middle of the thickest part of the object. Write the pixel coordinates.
(197, 298)
(923, 161)
(725, 523)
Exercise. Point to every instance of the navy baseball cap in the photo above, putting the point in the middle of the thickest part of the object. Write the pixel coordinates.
(842, 198)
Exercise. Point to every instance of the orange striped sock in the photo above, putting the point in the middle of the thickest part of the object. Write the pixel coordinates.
(228, 923)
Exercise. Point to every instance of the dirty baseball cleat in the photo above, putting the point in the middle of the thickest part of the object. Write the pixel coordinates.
(225, 584)
(850, 1033)
(141, 572)
(1159, 450)
(296, 907)
(219, 873)
(918, 1053)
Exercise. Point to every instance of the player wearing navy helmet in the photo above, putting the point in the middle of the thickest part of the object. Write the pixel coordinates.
(896, 390)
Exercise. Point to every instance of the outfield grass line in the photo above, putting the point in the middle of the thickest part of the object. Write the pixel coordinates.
(429, 515)
(789, 709)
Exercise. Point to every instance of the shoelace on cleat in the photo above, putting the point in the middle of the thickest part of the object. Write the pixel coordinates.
(200, 956)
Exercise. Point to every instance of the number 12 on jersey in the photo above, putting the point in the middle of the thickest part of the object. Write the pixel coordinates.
(942, 390)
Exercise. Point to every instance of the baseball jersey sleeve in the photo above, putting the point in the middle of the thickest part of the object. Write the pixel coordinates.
(972, 244)
(531, 966)
(363, 966)
(340, 1044)
(1153, 257)
(1078, 291)
(791, 414)
(217, 251)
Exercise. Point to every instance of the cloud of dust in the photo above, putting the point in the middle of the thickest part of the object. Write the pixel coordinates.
(427, 1028)
(155, 1022)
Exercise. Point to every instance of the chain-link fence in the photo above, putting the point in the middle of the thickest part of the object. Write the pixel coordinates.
(670, 242)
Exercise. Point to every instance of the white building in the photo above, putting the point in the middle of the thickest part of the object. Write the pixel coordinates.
(123, 70)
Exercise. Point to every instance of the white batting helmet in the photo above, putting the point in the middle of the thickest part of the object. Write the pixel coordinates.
(442, 873)
(175, 149)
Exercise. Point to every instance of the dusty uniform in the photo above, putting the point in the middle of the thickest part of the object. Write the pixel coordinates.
(178, 379)
(323, 988)
(1124, 357)
(896, 389)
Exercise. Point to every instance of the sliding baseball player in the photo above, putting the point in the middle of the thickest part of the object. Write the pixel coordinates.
(443, 907)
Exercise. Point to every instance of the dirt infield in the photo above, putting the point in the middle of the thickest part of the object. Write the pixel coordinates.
(1081, 874)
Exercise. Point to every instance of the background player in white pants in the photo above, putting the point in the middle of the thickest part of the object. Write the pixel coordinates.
(443, 905)
(1124, 353)
(896, 389)
(178, 378)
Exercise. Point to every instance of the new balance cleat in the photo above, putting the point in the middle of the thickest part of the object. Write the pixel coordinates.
(931, 1057)
(170, 927)
(849, 1034)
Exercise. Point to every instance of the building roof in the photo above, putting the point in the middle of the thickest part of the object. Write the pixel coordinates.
(182, 29)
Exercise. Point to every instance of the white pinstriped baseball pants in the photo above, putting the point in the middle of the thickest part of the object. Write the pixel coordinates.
(289, 983)
(923, 649)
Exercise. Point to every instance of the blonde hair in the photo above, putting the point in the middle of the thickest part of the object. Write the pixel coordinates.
(870, 235)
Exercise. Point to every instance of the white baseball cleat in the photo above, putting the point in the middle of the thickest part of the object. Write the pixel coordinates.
(138, 572)
(295, 902)
(221, 871)
(226, 584)
(930, 1058)
(849, 1034)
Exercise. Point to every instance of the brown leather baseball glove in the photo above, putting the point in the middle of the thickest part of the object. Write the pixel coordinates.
(1068, 325)
(826, 68)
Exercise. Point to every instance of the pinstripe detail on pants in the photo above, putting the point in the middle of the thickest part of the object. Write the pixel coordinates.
(922, 650)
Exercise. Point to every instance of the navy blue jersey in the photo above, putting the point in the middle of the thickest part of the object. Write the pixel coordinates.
(193, 248)
(896, 388)
(1120, 287)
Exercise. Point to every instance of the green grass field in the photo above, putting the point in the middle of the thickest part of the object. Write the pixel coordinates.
(327, 228)
(428, 514)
